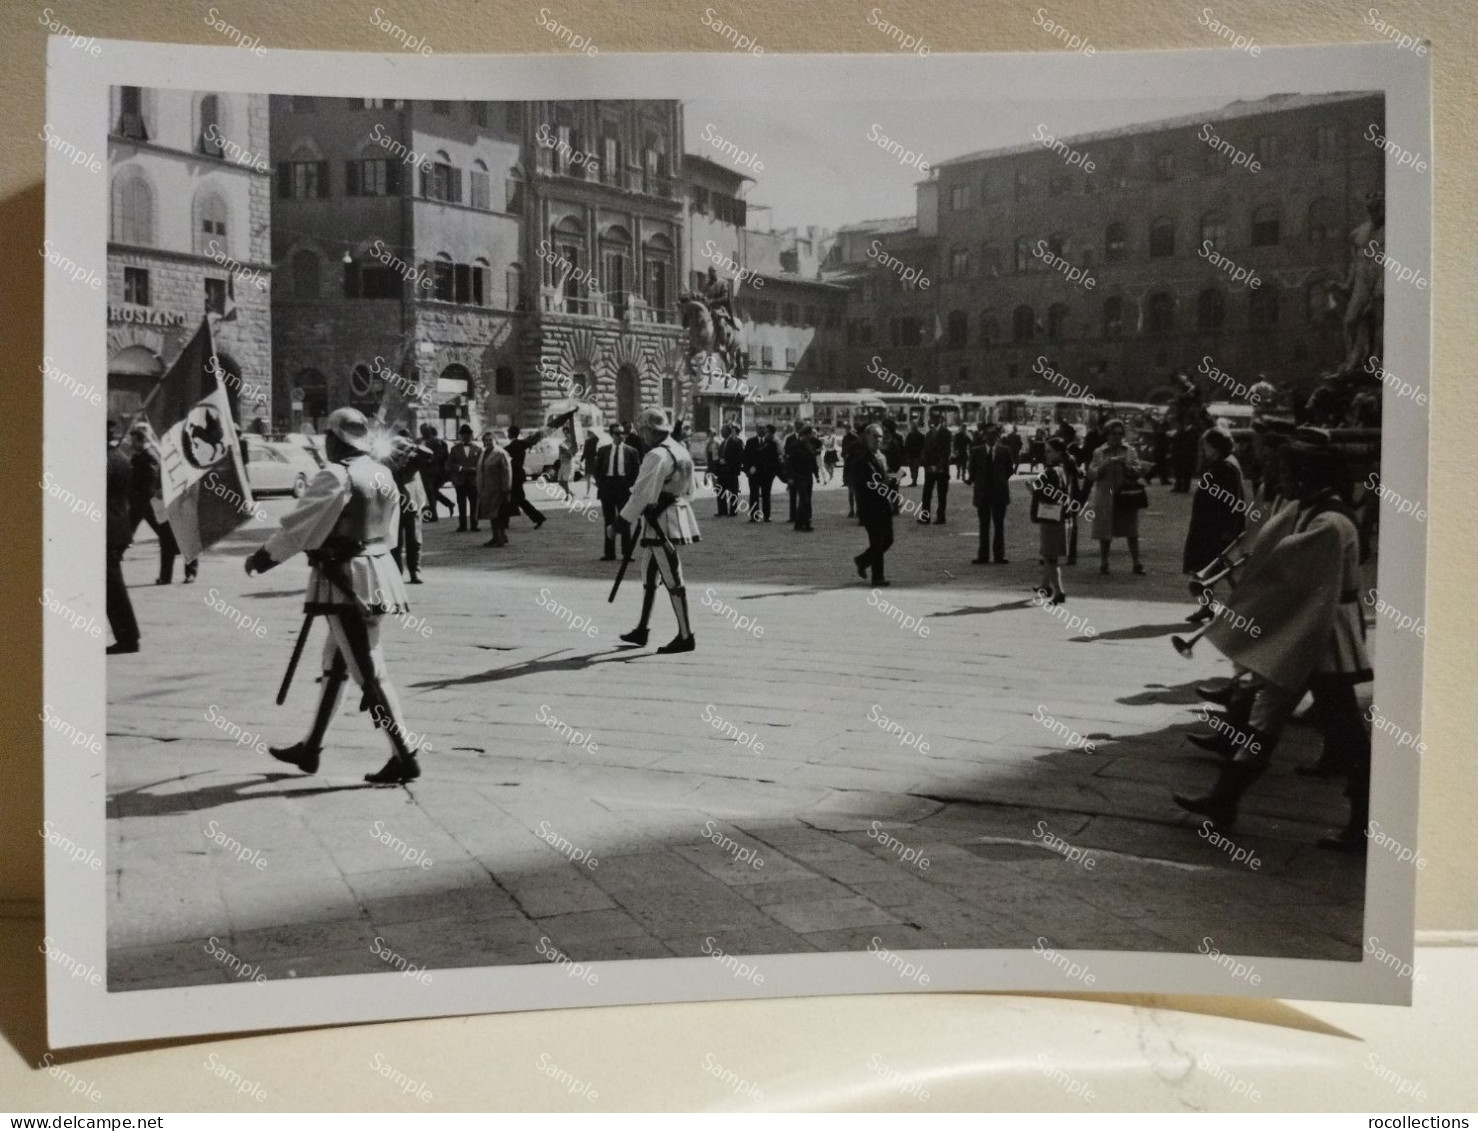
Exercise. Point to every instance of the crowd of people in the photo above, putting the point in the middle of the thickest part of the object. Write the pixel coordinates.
(1297, 575)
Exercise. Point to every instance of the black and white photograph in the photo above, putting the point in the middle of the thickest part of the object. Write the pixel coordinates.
(958, 536)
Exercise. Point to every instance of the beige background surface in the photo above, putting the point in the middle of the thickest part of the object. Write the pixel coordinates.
(1446, 890)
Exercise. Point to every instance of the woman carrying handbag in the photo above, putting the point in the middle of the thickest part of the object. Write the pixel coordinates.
(1051, 499)
(1118, 495)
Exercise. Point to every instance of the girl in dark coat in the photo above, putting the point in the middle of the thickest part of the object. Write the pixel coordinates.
(1218, 507)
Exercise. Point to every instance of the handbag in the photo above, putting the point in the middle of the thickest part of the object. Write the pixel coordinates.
(1046, 512)
(1131, 496)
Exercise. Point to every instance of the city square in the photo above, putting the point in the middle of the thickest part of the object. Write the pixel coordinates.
(399, 306)
(819, 789)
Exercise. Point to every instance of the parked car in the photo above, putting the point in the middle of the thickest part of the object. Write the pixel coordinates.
(543, 458)
(274, 466)
(313, 445)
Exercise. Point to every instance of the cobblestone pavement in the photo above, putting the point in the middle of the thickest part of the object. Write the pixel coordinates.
(751, 793)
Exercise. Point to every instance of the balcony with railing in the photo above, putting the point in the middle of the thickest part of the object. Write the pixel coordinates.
(617, 307)
(552, 163)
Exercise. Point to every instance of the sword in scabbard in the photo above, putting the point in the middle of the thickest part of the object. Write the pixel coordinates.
(625, 562)
(292, 664)
(331, 569)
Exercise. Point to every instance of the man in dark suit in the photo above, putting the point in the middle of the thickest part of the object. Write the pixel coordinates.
(461, 467)
(936, 470)
(433, 475)
(913, 453)
(616, 465)
(730, 463)
(763, 467)
(874, 504)
(787, 447)
(992, 463)
(119, 534)
(805, 471)
(518, 449)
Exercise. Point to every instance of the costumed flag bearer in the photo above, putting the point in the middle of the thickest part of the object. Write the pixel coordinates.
(347, 523)
(661, 499)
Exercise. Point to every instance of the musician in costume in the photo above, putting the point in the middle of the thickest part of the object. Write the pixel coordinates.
(1301, 594)
(661, 499)
(346, 523)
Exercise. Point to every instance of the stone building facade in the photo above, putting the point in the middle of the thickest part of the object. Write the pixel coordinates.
(487, 258)
(189, 237)
(1167, 216)
(605, 227)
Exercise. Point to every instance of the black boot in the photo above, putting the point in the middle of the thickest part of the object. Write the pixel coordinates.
(1221, 696)
(1213, 742)
(402, 766)
(304, 755)
(684, 640)
(638, 635)
(400, 769)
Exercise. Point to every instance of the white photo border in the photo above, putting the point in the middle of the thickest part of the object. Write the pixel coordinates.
(74, 674)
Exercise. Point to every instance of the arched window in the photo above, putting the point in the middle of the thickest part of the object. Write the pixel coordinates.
(1214, 231)
(210, 224)
(568, 239)
(1114, 250)
(442, 181)
(306, 273)
(990, 327)
(443, 278)
(958, 331)
(1323, 220)
(1023, 258)
(1262, 307)
(513, 288)
(1113, 317)
(1162, 238)
(1211, 309)
(1265, 226)
(455, 382)
(990, 261)
(513, 191)
(1023, 324)
(480, 185)
(1057, 322)
(615, 268)
(480, 280)
(210, 139)
(1160, 313)
(133, 209)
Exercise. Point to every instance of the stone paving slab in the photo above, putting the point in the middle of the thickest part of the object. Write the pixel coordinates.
(664, 801)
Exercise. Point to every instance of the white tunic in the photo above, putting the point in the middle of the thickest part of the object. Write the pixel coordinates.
(354, 505)
(666, 469)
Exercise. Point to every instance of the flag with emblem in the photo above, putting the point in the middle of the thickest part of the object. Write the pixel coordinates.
(206, 493)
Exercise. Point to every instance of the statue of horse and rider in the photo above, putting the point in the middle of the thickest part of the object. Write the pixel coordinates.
(712, 326)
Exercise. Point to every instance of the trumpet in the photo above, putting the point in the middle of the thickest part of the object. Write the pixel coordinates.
(1216, 569)
(1201, 585)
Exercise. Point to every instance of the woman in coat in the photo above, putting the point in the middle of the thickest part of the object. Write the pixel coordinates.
(494, 489)
(1218, 509)
(1113, 467)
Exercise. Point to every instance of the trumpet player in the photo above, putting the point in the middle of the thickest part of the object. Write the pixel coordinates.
(1295, 623)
